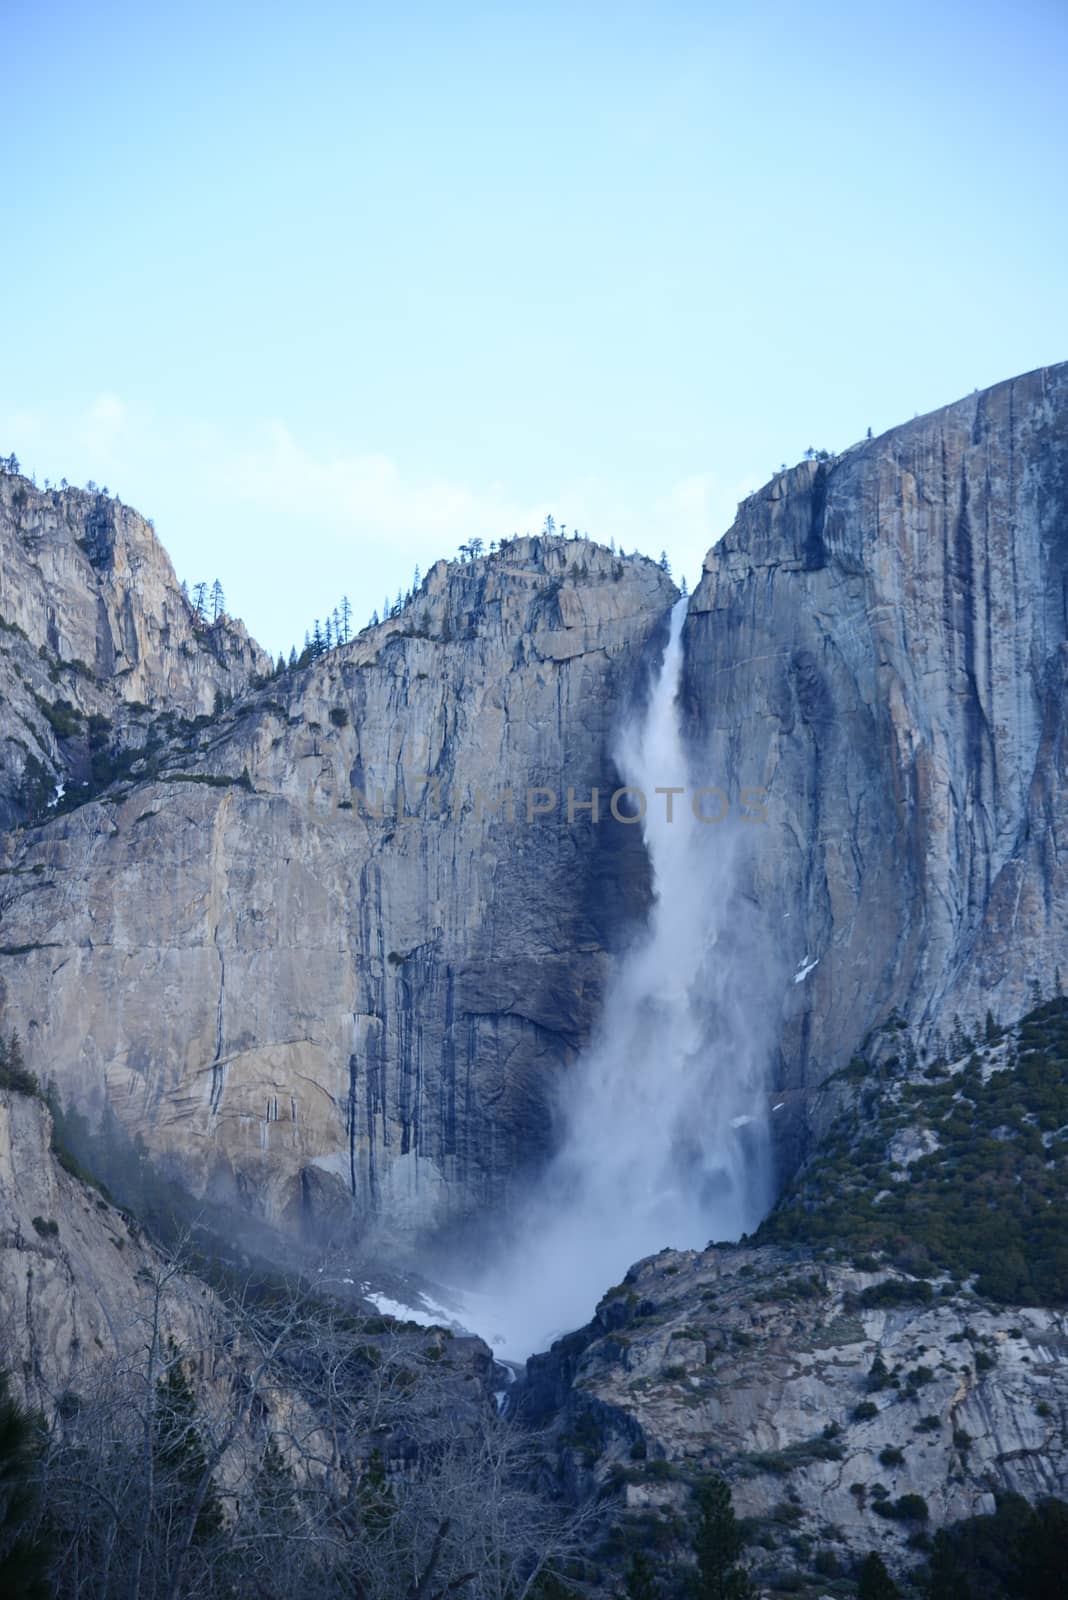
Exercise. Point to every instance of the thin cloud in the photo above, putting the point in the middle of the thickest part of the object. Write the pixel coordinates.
(371, 495)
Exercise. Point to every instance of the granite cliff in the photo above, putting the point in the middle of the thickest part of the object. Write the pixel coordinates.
(303, 1001)
(321, 944)
(327, 952)
(95, 636)
(880, 642)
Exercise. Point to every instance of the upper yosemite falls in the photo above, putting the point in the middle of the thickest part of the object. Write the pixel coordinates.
(562, 958)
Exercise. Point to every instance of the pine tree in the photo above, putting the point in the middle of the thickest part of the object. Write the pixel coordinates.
(376, 1495)
(328, 635)
(416, 579)
(218, 601)
(22, 1559)
(665, 564)
(346, 619)
(317, 640)
(945, 1579)
(292, 657)
(200, 601)
(179, 1454)
(640, 1582)
(718, 1544)
(684, 587)
(873, 1580)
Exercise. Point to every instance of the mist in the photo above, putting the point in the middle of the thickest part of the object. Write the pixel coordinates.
(664, 1116)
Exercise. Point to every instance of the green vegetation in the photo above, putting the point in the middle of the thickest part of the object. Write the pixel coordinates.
(873, 1580)
(180, 1454)
(14, 1075)
(64, 719)
(23, 1559)
(991, 1200)
(214, 780)
(718, 1545)
(917, 1292)
(906, 1508)
(640, 1582)
(1017, 1552)
(822, 1447)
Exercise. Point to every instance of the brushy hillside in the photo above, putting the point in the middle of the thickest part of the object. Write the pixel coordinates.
(960, 1170)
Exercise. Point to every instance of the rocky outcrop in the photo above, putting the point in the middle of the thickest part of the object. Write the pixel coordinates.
(95, 637)
(97, 1322)
(823, 1412)
(329, 961)
(862, 1371)
(880, 643)
(79, 1282)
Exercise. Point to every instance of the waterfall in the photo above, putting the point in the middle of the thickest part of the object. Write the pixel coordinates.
(664, 1115)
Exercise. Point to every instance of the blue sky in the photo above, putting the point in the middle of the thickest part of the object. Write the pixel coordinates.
(326, 290)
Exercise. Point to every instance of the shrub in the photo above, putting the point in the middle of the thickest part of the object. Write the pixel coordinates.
(897, 1292)
(46, 1227)
(879, 1374)
(14, 1075)
(891, 1456)
(65, 719)
(906, 1508)
(873, 1580)
(990, 1201)
(865, 1411)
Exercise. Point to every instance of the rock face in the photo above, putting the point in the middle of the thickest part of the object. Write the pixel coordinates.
(93, 625)
(880, 643)
(326, 951)
(77, 1278)
(302, 998)
(315, 1007)
(757, 1363)
(331, 959)
(869, 1344)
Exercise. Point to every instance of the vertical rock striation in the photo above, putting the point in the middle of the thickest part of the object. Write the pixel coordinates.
(879, 642)
(322, 962)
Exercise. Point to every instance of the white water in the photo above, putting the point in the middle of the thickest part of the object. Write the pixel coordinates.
(664, 1115)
